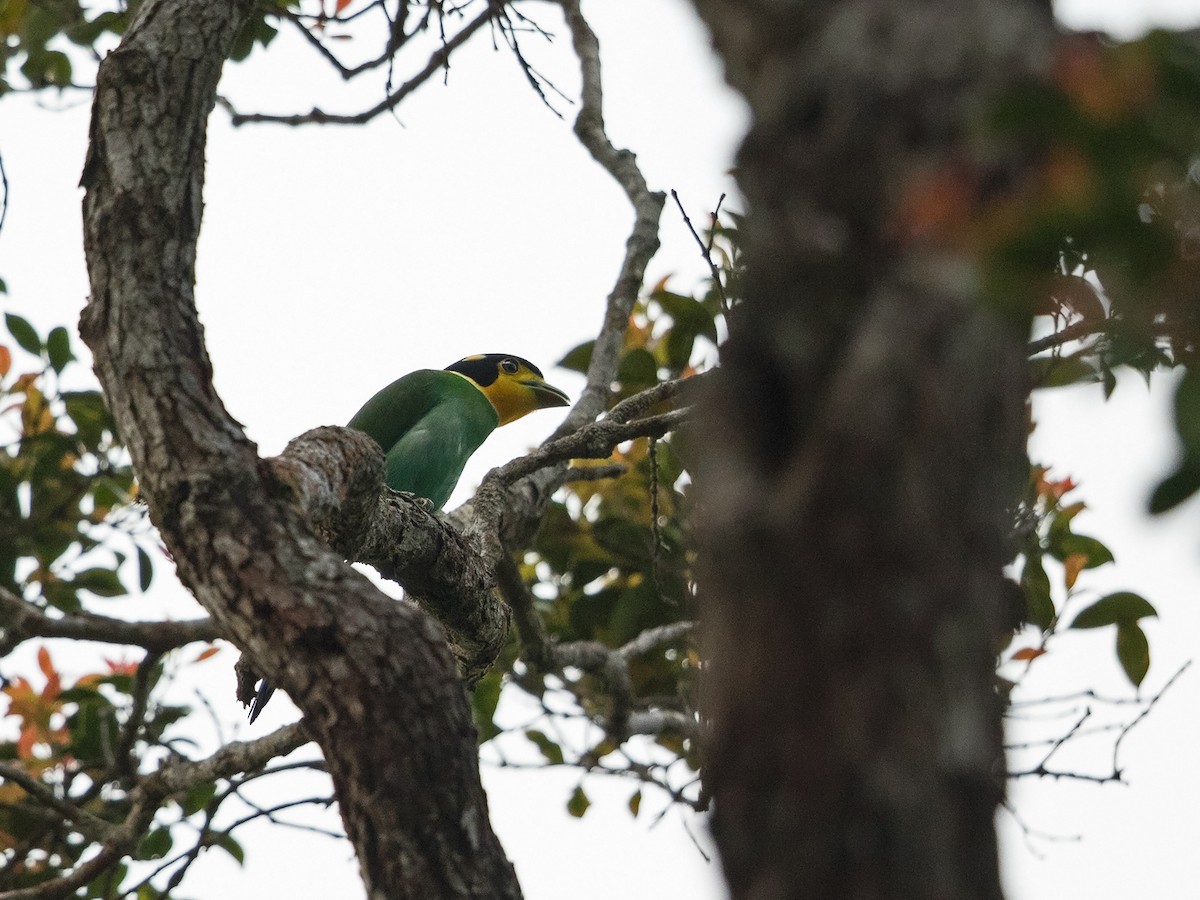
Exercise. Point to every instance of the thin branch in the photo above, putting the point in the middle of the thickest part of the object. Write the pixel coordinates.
(439, 59)
(594, 473)
(4, 187)
(1065, 336)
(643, 240)
(1145, 712)
(529, 625)
(174, 776)
(653, 638)
(397, 38)
(93, 827)
(23, 620)
(705, 247)
(595, 441)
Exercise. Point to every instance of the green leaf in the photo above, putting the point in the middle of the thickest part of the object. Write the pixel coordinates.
(101, 582)
(1133, 650)
(638, 368)
(58, 348)
(1065, 544)
(1175, 488)
(1187, 412)
(635, 803)
(86, 409)
(227, 843)
(578, 358)
(155, 845)
(1123, 607)
(484, 700)
(550, 750)
(23, 333)
(579, 803)
(679, 348)
(145, 570)
(198, 798)
(688, 313)
(1036, 584)
(1052, 371)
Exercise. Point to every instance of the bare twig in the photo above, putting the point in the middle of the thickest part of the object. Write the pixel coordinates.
(4, 187)
(439, 59)
(397, 38)
(706, 246)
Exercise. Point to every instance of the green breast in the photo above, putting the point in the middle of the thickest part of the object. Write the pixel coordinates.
(428, 423)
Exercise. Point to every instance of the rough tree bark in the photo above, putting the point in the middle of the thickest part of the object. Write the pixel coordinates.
(373, 677)
(861, 445)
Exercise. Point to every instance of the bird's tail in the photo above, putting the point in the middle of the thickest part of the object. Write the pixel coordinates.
(265, 690)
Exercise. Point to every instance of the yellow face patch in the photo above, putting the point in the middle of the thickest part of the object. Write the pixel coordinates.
(520, 391)
(513, 385)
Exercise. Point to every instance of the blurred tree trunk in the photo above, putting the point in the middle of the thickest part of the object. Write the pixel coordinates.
(861, 447)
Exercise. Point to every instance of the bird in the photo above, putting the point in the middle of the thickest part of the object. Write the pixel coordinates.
(430, 422)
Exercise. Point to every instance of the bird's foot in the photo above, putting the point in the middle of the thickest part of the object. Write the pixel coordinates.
(424, 502)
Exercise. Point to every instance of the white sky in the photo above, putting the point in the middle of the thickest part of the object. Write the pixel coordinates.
(333, 260)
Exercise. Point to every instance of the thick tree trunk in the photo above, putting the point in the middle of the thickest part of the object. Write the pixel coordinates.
(373, 677)
(862, 444)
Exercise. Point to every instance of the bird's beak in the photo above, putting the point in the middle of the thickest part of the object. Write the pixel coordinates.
(546, 395)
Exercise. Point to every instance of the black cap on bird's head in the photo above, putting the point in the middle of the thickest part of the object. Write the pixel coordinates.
(513, 384)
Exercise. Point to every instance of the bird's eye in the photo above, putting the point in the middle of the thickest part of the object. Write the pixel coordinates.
(509, 366)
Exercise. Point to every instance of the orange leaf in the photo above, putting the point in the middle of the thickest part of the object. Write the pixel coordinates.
(341, 4)
(5, 360)
(935, 205)
(53, 682)
(206, 654)
(1028, 653)
(120, 667)
(1074, 564)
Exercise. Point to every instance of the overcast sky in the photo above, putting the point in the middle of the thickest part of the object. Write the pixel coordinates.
(334, 260)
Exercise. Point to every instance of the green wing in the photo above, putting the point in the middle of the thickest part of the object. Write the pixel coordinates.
(428, 423)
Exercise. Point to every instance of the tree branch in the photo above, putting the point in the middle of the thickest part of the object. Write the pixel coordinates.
(361, 667)
(173, 777)
(23, 620)
(1073, 332)
(438, 60)
(643, 241)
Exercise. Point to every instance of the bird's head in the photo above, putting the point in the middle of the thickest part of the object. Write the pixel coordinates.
(515, 386)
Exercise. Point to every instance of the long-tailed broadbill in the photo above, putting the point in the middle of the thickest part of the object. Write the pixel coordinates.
(429, 422)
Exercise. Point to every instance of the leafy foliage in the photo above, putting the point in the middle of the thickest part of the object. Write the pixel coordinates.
(47, 40)
(1102, 236)
(1045, 533)
(63, 481)
(66, 531)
